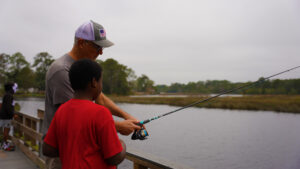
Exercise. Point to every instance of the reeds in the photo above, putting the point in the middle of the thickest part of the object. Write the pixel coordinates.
(277, 103)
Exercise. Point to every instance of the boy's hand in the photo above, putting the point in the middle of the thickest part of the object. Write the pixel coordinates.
(126, 127)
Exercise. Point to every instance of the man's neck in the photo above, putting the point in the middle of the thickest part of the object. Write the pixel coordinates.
(75, 54)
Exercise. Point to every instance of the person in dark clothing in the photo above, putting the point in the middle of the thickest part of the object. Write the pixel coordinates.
(7, 113)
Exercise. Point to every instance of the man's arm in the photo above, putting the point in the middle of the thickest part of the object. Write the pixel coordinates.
(118, 158)
(114, 109)
(124, 127)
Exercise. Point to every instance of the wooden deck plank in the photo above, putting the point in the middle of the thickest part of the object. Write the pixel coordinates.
(15, 160)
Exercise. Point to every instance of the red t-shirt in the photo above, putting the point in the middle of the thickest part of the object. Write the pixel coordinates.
(85, 135)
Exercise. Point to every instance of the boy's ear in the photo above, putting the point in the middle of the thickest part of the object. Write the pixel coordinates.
(94, 83)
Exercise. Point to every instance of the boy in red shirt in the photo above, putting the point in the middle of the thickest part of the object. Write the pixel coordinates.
(83, 133)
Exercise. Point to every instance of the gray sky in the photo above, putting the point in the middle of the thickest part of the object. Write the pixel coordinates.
(168, 40)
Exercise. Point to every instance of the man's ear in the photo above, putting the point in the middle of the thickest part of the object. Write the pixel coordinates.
(80, 42)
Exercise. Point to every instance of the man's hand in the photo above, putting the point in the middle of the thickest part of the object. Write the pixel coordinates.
(126, 127)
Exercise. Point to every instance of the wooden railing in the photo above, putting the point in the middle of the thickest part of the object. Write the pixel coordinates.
(28, 138)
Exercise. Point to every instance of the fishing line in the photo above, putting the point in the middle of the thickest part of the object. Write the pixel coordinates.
(141, 134)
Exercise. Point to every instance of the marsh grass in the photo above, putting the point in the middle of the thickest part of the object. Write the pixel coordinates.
(277, 103)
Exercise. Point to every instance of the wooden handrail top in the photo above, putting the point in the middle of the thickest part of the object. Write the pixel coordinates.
(151, 161)
(34, 134)
(27, 116)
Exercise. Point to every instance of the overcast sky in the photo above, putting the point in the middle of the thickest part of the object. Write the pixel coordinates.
(168, 40)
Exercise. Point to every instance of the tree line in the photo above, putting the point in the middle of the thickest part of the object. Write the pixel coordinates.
(118, 79)
(15, 68)
(276, 86)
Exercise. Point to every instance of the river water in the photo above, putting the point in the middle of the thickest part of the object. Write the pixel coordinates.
(213, 138)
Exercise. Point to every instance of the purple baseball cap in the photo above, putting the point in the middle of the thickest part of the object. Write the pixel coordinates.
(94, 32)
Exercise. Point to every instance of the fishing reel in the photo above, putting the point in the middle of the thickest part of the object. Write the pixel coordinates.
(140, 134)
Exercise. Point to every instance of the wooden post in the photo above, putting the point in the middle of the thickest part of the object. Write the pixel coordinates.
(33, 126)
(26, 136)
(138, 166)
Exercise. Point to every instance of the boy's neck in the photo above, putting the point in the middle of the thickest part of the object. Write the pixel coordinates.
(82, 96)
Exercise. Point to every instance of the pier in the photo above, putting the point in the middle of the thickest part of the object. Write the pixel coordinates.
(27, 137)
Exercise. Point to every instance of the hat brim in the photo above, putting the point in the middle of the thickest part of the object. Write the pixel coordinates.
(104, 43)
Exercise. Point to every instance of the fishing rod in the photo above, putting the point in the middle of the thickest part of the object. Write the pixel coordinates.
(142, 133)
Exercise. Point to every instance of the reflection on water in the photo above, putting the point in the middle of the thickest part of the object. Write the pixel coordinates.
(214, 138)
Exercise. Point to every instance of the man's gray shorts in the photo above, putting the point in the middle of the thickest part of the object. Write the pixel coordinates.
(5, 123)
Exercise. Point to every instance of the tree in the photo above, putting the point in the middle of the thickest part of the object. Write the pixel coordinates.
(115, 77)
(15, 63)
(144, 84)
(4, 58)
(131, 78)
(25, 78)
(42, 62)
(176, 88)
(18, 70)
(161, 88)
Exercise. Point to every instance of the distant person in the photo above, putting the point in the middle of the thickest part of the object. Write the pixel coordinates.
(90, 39)
(83, 133)
(7, 113)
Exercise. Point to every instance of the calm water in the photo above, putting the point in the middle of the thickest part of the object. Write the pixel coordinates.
(176, 95)
(213, 138)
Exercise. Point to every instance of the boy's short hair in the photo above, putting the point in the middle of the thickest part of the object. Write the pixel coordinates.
(82, 73)
(8, 86)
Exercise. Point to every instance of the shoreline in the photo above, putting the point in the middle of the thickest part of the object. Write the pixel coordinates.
(276, 103)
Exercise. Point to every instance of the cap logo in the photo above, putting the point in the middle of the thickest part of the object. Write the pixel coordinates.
(102, 33)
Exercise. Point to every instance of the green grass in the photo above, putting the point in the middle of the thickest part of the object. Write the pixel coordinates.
(35, 148)
(17, 135)
(25, 95)
(277, 103)
(28, 143)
